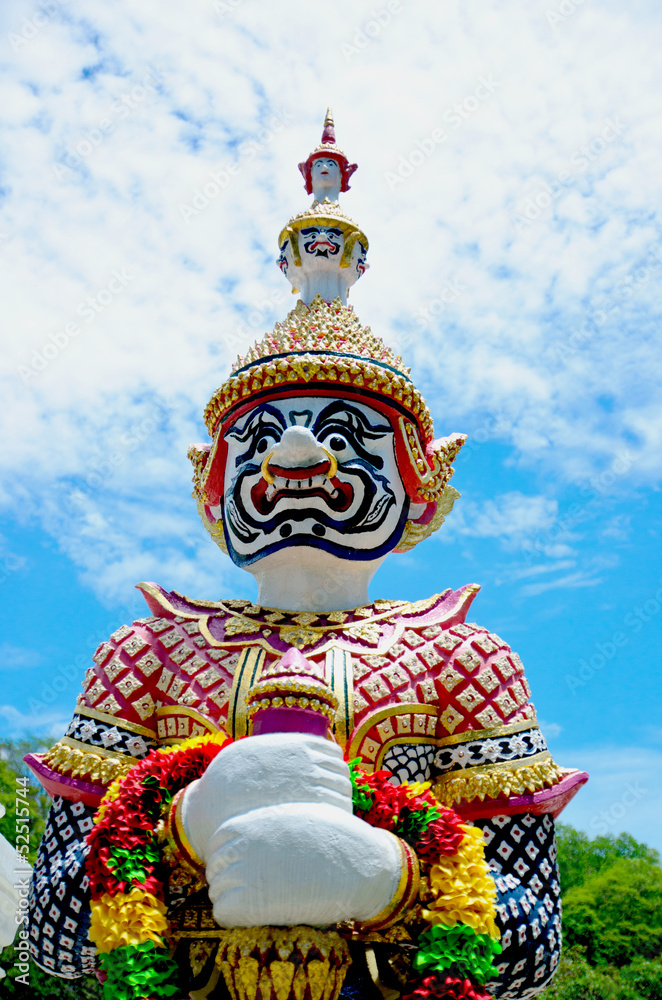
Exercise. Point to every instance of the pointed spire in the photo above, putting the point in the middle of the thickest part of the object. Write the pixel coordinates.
(329, 131)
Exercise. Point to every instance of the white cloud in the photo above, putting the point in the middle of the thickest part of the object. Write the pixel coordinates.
(17, 724)
(623, 793)
(170, 331)
(511, 516)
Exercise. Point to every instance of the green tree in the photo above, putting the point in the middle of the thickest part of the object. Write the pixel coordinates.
(577, 980)
(617, 915)
(580, 857)
(40, 984)
(38, 801)
(643, 978)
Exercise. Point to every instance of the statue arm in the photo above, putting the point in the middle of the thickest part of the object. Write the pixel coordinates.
(113, 726)
(502, 778)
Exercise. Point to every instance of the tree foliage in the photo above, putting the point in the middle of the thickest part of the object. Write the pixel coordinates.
(11, 768)
(40, 984)
(612, 899)
(617, 915)
(581, 858)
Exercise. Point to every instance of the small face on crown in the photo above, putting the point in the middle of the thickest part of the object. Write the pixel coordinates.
(312, 471)
(326, 178)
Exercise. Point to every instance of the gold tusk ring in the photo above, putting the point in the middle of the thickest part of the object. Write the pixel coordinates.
(333, 464)
(264, 469)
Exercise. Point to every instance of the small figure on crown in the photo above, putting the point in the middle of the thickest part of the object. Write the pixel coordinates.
(437, 879)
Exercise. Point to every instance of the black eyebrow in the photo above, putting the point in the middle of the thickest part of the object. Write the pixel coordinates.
(341, 407)
(242, 433)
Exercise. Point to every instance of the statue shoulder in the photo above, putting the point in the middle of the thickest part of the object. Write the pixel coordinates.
(438, 680)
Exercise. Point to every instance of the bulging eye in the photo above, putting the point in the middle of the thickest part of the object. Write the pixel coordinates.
(337, 443)
(262, 446)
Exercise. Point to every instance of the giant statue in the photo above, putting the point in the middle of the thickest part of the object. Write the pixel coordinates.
(313, 792)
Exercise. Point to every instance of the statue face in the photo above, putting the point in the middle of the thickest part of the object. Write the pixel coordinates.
(312, 471)
(326, 178)
(321, 241)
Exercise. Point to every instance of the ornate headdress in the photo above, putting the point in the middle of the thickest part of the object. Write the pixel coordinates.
(328, 148)
(322, 349)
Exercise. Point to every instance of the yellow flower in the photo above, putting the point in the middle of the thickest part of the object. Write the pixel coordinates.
(112, 793)
(127, 919)
(197, 741)
(463, 888)
(415, 788)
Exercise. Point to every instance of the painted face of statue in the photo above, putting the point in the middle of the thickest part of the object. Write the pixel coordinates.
(326, 178)
(313, 471)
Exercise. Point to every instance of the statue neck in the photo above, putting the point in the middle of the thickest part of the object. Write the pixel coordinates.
(302, 578)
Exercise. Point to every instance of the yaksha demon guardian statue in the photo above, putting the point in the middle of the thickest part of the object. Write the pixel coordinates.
(322, 461)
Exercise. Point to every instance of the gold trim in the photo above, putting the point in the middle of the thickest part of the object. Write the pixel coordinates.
(488, 734)
(246, 674)
(496, 781)
(92, 748)
(115, 720)
(405, 739)
(405, 894)
(193, 713)
(414, 532)
(89, 766)
(211, 934)
(407, 708)
(340, 677)
(153, 591)
(468, 737)
(264, 469)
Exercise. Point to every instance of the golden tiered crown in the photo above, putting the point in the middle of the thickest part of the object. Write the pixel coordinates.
(322, 343)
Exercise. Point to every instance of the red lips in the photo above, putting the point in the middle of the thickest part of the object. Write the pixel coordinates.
(339, 500)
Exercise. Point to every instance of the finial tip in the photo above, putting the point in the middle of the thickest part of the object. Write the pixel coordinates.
(329, 131)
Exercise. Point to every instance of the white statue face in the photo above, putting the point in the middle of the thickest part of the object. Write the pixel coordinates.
(312, 471)
(326, 178)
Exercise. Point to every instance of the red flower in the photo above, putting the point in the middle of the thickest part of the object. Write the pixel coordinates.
(442, 836)
(444, 988)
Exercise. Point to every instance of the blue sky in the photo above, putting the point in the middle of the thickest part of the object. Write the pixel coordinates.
(508, 182)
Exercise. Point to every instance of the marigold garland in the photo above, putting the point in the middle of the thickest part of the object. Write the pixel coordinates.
(128, 878)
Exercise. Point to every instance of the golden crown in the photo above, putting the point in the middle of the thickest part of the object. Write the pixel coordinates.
(322, 343)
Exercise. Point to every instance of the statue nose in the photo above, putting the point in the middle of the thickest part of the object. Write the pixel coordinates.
(298, 449)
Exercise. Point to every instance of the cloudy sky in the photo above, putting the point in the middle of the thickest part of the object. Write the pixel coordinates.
(509, 163)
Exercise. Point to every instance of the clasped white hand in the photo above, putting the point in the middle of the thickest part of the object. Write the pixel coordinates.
(272, 819)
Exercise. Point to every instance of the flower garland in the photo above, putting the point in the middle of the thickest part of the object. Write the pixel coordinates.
(128, 878)
(461, 933)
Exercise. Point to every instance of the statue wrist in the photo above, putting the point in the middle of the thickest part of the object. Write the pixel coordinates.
(178, 839)
(405, 895)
